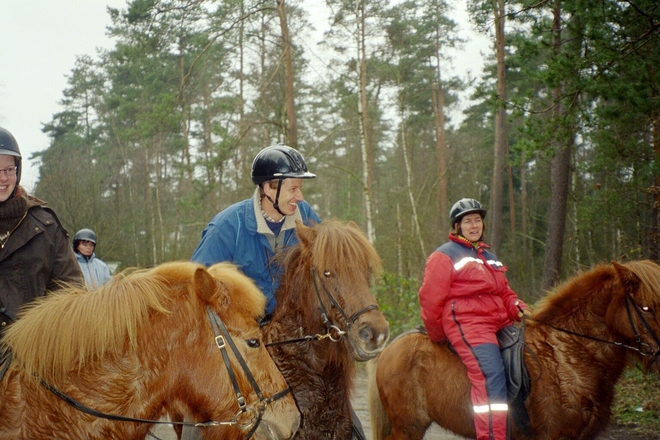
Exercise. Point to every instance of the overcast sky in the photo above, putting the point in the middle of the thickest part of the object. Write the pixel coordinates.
(38, 47)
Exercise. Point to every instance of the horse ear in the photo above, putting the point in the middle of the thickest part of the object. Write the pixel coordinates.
(205, 285)
(305, 234)
(352, 224)
(627, 277)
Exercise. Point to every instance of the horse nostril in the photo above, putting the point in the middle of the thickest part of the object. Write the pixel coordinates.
(365, 334)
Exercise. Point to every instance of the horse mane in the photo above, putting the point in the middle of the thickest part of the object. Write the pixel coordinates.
(595, 287)
(74, 327)
(338, 247)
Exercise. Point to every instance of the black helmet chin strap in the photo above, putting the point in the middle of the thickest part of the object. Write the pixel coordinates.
(276, 202)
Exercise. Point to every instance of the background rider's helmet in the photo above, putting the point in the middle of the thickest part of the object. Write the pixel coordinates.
(84, 234)
(464, 207)
(279, 162)
(9, 146)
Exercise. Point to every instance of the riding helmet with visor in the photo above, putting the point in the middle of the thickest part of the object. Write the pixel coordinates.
(84, 234)
(464, 207)
(279, 162)
(9, 146)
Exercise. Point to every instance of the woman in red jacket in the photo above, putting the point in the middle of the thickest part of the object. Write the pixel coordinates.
(466, 298)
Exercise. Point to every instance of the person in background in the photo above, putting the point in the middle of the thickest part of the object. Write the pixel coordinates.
(466, 298)
(35, 255)
(249, 233)
(95, 271)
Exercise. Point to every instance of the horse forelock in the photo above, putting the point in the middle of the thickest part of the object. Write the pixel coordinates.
(648, 273)
(73, 327)
(344, 249)
(242, 296)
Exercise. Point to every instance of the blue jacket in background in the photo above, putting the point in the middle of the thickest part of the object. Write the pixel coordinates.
(95, 271)
(239, 236)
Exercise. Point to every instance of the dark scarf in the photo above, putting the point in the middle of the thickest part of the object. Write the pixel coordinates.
(12, 211)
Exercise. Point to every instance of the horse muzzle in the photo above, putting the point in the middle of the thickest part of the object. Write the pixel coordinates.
(368, 336)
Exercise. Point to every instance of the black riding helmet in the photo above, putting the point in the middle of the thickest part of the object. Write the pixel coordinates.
(9, 146)
(464, 207)
(84, 234)
(279, 162)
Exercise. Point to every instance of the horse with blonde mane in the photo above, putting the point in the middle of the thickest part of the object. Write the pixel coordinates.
(109, 363)
(578, 342)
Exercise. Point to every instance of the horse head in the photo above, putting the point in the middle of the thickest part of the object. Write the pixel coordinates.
(341, 262)
(638, 317)
(229, 359)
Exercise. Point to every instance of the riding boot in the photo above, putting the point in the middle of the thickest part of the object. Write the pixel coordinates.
(190, 432)
(357, 430)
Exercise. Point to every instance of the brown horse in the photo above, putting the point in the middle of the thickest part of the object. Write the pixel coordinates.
(149, 342)
(326, 318)
(580, 339)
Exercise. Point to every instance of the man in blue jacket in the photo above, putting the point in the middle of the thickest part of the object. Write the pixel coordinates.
(249, 233)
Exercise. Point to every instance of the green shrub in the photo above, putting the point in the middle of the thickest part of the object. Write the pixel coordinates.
(397, 298)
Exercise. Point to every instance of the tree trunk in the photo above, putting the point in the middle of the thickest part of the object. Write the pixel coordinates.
(500, 148)
(366, 142)
(438, 99)
(411, 197)
(292, 125)
(559, 181)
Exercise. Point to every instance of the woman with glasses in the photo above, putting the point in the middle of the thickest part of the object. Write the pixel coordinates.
(35, 255)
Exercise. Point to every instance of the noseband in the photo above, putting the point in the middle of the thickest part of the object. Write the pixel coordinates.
(333, 331)
(247, 417)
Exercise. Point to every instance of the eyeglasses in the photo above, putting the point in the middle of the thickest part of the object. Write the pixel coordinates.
(9, 172)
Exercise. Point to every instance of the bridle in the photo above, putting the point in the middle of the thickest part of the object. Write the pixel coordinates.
(642, 348)
(247, 417)
(333, 331)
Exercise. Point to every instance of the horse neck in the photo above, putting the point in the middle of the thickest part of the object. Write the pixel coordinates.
(582, 307)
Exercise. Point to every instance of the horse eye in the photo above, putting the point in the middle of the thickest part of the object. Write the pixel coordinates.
(645, 309)
(326, 273)
(253, 343)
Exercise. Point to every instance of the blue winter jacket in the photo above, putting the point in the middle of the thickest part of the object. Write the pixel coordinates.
(95, 271)
(239, 236)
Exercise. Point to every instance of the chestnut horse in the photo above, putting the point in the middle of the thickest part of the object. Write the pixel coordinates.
(579, 340)
(326, 318)
(107, 364)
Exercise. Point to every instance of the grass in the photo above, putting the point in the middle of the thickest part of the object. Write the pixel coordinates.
(637, 402)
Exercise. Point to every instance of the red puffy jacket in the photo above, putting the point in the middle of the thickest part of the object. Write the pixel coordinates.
(461, 280)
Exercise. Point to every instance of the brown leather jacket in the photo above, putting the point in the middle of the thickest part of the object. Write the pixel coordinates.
(36, 258)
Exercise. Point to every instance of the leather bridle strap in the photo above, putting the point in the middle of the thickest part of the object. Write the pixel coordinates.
(646, 325)
(349, 321)
(332, 331)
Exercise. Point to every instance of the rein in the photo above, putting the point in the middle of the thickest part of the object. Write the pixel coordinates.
(333, 331)
(642, 348)
(247, 417)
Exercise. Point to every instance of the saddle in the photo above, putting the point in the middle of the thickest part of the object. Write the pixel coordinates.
(512, 346)
(511, 340)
